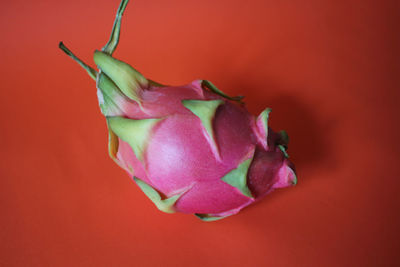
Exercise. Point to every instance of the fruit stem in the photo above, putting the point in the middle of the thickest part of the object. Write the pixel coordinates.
(114, 38)
(92, 72)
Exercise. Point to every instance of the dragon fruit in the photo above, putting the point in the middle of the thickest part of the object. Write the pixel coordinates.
(190, 148)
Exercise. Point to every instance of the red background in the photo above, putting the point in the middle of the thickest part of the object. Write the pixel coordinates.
(328, 69)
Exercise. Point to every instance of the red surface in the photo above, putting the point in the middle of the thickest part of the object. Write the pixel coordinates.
(329, 69)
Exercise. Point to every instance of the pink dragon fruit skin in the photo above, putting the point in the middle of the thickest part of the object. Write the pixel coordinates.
(190, 148)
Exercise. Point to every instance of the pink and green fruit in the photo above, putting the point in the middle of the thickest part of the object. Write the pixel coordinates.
(190, 148)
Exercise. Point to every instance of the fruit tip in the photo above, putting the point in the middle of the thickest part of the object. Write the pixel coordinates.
(294, 179)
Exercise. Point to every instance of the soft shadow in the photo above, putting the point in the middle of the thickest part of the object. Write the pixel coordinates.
(308, 136)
